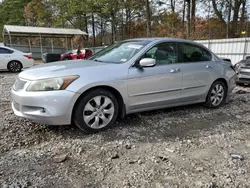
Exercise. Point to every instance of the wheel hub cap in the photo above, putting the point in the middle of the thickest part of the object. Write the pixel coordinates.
(15, 66)
(217, 94)
(98, 112)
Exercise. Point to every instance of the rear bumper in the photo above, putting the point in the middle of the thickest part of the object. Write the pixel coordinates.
(28, 63)
(232, 83)
(231, 86)
(243, 79)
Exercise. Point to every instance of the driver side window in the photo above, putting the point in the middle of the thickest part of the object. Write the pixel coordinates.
(163, 53)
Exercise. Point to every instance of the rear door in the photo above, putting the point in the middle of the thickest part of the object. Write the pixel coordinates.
(197, 70)
(5, 55)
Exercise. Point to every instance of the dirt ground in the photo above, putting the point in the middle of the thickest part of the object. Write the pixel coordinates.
(188, 146)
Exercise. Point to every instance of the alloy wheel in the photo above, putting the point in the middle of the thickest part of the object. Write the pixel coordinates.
(217, 94)
(15, 66)
(98, 112)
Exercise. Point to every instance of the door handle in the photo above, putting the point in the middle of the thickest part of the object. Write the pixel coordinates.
(173, 71)
(209, 66)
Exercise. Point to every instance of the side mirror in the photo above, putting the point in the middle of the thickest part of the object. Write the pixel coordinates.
(147, 62)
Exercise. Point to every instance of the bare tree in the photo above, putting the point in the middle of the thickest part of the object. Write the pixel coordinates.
(243, 13)
(188, 18)
(183, 14)
(193, 9)
(148, 15)
(229, 17)
(173, 5)
(236, 8)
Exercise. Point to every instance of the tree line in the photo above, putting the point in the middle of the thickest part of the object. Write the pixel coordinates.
(107, 21)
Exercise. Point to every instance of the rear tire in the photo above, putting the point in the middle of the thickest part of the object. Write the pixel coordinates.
(96, 111)
(217, 95)
(14, 66)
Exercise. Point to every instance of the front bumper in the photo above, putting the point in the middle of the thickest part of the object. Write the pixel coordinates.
(48, 107)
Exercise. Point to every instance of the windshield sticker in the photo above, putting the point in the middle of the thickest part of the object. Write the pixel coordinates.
(135, 46)
(123, 60)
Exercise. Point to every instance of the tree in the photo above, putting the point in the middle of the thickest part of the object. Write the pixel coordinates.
(12, 12)
(193, 11)
(148, 15)
(220, 6)
(38, 13)
(188, 18)
(243, 14)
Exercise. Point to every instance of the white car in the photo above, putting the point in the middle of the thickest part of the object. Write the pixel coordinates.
(14, 60)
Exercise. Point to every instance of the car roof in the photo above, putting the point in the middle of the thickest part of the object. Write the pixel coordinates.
(157, 39)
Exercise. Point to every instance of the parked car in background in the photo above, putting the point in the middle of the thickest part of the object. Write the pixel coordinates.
(72, 54)
(127, 77)
(243, 70)
(14, 60)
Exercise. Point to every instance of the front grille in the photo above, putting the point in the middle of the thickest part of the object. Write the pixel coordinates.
(19, 84)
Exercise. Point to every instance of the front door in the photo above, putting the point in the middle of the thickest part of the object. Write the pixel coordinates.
(158, 86)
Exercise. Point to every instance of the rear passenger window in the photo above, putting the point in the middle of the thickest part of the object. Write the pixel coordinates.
(192, 53)
(5, 51)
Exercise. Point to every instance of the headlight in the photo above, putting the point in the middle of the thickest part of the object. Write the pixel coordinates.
(51, 84)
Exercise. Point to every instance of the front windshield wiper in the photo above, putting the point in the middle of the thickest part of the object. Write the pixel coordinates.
(98, 60)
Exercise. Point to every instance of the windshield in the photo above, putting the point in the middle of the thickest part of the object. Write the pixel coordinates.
(120, 52)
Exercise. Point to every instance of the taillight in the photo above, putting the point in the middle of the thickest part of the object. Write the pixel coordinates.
(236, 67)
(28, 56)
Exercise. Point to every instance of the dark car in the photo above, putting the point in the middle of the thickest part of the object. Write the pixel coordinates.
(243, 70)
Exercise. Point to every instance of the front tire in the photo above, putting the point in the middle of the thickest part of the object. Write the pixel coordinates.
(217, 95)
(96, 111)
(14, 66)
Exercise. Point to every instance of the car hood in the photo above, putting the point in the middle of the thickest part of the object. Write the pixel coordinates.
(62, 68)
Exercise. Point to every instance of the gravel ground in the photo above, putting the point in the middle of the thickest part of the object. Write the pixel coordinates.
(188, 146)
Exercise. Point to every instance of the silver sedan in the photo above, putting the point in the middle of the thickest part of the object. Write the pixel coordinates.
(127, 77)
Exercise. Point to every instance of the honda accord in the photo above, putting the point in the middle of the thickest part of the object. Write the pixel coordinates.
(127, 77)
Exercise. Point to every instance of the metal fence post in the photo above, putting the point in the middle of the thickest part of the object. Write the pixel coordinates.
(29, 45)
(41, 45)
(52, 45)
(245, 48)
